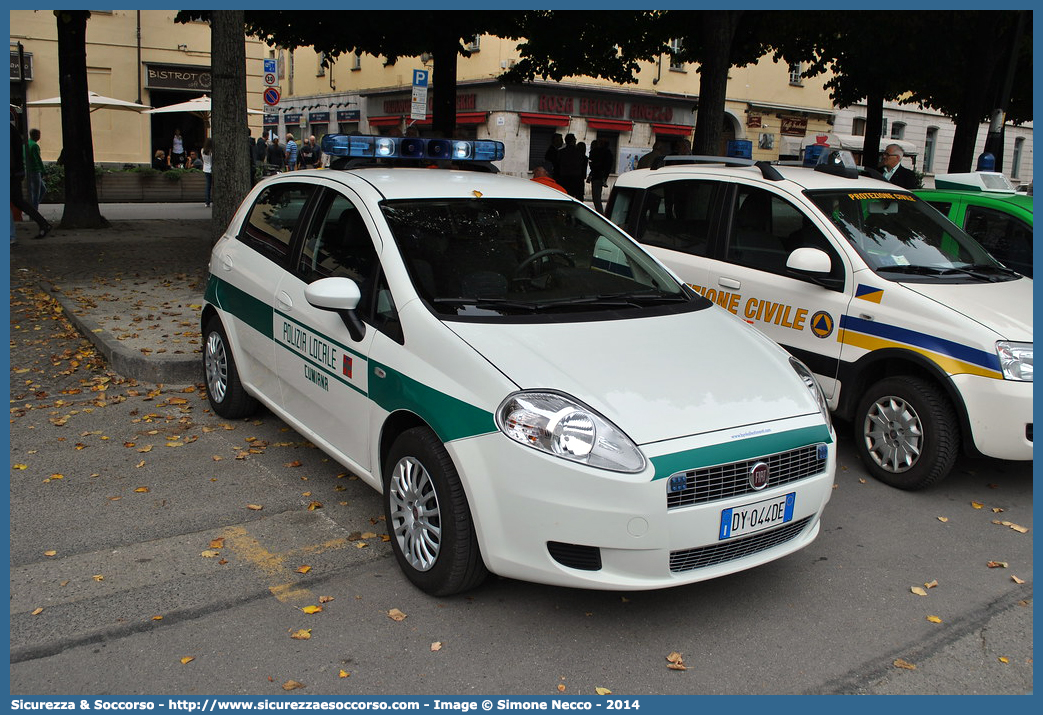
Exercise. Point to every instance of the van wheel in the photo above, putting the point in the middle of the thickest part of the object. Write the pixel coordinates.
(228, 398)
(432, 533)
(906, 432)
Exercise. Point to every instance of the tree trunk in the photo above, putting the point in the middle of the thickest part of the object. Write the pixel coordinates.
(874, 127)
(443, 109)
(229, 128)
(81, 191)
(715, 35)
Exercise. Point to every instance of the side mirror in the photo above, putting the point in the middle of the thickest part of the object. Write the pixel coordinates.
(813, 265)
(340, 295)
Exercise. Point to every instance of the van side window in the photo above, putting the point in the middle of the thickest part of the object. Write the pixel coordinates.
(676, 215)
(269, 227)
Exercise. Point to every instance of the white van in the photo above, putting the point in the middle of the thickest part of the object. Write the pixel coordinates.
(916, 334)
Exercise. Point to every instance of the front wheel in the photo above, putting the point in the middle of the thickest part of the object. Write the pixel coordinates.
(432, 533)
(906, 432)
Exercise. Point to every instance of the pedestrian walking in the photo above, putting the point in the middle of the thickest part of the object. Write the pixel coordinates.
(276, 157)
(34, 169)
(291, 152)
(553, 154)
(207, 154)
(572, 166)
(600, 167)
(177, 150)
(17, 197)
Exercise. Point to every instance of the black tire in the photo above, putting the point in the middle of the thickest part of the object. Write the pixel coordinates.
(228, 398)
(428, 518)
(906, 432)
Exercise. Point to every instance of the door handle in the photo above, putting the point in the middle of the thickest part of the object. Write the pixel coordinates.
(226, 262)
(729, 283)
(283, 300)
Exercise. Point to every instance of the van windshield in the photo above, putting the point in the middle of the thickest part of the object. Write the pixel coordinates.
(903, 238)
(485, 258)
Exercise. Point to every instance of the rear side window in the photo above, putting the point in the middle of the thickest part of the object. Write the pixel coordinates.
(273, 217)
(677, 214)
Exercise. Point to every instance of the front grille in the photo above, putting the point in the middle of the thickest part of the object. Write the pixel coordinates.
(575, 556)
(703, 556)
(731, 480)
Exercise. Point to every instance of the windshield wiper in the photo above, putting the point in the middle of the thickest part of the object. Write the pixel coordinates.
(629, 298)
(487, 303)
(919, 270)
(978, 270)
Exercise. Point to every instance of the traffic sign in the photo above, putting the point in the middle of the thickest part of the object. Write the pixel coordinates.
(271, 96)
(270, 79)
(418, 105)
(271, 66)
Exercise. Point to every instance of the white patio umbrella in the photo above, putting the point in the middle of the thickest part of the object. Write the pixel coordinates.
(97, 102)
(200, 107)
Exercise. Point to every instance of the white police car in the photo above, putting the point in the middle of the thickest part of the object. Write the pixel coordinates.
(533, 394)
(916, 334)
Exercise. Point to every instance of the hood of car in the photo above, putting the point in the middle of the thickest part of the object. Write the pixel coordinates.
(1005, 308)
(656, 378)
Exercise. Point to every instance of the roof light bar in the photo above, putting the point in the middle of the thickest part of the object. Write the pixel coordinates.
(356, 146)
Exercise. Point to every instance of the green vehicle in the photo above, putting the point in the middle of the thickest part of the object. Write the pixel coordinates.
(985, 205)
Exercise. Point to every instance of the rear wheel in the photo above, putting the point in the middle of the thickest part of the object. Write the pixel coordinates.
(906, 432)
(432, 533)
(225, 390)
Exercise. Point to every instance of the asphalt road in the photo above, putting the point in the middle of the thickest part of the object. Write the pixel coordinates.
(136, 542)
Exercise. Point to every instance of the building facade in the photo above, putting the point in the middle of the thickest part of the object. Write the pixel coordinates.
(133, 55)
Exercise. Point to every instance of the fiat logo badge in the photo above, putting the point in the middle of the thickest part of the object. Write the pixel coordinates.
(759, 476)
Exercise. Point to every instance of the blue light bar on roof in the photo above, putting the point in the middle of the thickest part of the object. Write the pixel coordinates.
(355, 146)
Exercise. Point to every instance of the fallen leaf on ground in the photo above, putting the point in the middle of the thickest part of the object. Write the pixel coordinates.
(217, 543)
(304, 569)
(301, 635)
(977, 505)
(254, 507)
(141, 490)
(918, 591)
(187, 659)
(396, 615)
(1003, 659)
(325, 599)
(997, 564)
(343, 674)
(210, 554)
(292, 685)
(934, 619)
(931, 584)
(294, 463)
(943, 519)
(436, 646)
(312, 609)
(98, 577)
(676, 662)
(602, 691)
(899, 663)
(50, 553)
(37, 612)
(561, 687)
(1016, 580)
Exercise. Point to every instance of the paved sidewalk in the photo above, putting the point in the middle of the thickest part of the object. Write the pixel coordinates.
(134, 289)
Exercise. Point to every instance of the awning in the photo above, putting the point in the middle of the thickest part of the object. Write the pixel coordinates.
(386, 121)
(543, 120)
(610, 125)
(852, 142)
(673, 130)
(461, 118)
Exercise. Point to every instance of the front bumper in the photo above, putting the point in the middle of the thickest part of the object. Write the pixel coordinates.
(547, 520)
(1000, 415)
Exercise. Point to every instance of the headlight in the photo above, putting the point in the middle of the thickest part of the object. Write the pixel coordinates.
(812, 384)
(559, 425)
(1015, 360)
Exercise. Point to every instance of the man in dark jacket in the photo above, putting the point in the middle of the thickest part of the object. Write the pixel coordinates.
(893, 170)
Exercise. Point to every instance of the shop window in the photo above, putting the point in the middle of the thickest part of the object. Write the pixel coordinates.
(858, 126)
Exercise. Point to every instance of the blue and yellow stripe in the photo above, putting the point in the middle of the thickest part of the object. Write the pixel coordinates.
(955, 358)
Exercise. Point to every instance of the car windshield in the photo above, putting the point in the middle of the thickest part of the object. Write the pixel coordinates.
(902, 238)
(486, 258)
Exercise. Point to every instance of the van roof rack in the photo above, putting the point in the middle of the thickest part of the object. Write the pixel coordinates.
(768, 171)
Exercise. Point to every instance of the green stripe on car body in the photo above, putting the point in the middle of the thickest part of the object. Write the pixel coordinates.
(252, 311)
(449, 417)
(738, 450)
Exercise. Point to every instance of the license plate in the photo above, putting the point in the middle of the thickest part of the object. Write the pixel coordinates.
(760, 515)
